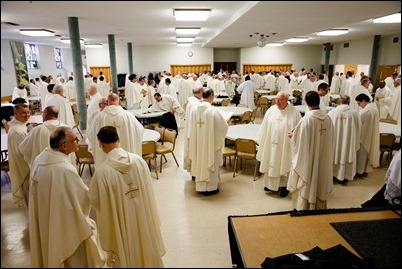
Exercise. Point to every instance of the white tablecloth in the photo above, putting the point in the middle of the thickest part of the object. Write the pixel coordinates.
(139, 113)
(390, 128)
(150, 135)
(236, 110)
(248, 131)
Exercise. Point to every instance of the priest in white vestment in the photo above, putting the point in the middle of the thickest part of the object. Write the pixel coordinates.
(310, 178)
(69, 90)
(19, 169)
(184, 91)
(103, 87)
(61, 232)
(322, 90)
(129, 128)
(335, 84)
(133, 97)
(207, 138)
(382, 99)
(121, 192)
(193, 102)
(141, 89)
(275, 151)
(20, 92)
(246, 91)
(65, 111)
(368, 154)
(347, 139)
(33, 88)
(38, 138)
(394, 108)
(93, 105)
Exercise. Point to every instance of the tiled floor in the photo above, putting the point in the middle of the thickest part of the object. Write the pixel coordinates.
(194, 227)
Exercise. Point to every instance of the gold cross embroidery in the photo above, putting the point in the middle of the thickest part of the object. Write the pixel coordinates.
(199, 122)
(114, 124)
(321, 130)
(341, 118)
(274, 143)
(278, 120)
(132, 191)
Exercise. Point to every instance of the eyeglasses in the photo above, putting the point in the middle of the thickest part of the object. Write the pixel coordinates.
(76, 139)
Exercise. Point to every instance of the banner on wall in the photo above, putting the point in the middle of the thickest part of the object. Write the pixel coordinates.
(20, 65)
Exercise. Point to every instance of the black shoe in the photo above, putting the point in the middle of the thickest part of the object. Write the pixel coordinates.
(342, 182)
(361, 175)
(208, 193)
(266, 189)
(283, 192)
(193, 177)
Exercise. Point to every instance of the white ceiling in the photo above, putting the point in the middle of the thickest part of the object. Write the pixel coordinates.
(229, 26)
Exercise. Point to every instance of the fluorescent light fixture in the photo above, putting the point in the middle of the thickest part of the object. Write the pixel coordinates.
(275, 44)
(191, 14)
(185, 44)
(67, 40)
(36, 32)
(185, 39)
(333, 32)
(187, 31)
(394, 18)
(297, 39)
(93, 45)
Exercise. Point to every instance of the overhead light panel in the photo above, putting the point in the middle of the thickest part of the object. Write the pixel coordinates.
(275, 44)
(187, 31)
(333, 32)
(393, 18)
(184, 44)
(36, 32)
(67, 40)
(191, 14)
(93, 45)
(297, 39)
(185, 39)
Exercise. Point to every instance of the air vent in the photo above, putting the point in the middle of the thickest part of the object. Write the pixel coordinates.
(396, 40)
(11, 23)
(346, 45)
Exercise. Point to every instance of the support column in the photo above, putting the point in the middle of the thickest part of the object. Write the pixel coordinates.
(130, 57)
(113, 65)
(327, 56)
(75, 45)
(374, 59)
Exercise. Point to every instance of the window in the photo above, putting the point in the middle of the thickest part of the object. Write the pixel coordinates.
(58, 58)
(32, 56)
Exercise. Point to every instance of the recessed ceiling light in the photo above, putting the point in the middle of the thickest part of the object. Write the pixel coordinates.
(393, 18)
(275, 44)
(333, 32)
(184, 44)
(36, 32)
(67, 40)
(191, 14)
(185, 39)
(297, 39)
(187, 31)
(93, 45)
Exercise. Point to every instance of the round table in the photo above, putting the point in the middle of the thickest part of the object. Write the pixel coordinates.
(140, 113)
(248, 131)
(390, 128)
(150, 135)
(236, 111)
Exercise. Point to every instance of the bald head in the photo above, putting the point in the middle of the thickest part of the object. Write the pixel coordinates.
(113, 99)
(58, 89)
(92, 90)
(345, 99)
(50, 113)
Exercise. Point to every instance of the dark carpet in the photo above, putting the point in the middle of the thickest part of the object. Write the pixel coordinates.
(379, 240)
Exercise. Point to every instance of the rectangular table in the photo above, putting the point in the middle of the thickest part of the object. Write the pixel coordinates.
(253, 238)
